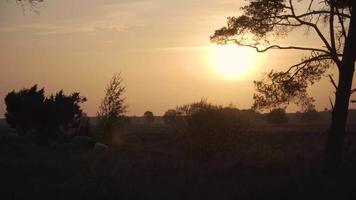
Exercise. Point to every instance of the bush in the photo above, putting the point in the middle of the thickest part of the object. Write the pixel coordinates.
(309, 115)
(29, 110)
(148, 115)
(172, 116)
(211, 129)
(277, 116)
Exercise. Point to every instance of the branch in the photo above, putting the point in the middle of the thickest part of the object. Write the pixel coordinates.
(332, 81)
(320, 57)
(282, 47)
(331, 26)
(321, 12)
(320, 34)
(331, 103)
(341, 20)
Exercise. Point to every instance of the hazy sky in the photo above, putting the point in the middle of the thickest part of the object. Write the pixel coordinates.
(161, 47)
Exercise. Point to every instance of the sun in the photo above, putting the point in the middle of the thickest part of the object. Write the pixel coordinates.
(232, 62)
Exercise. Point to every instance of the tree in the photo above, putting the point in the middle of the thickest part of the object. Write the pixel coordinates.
(334, 23)
(277, 116)
(112, 108)
(149, 116)
(29, 109)
(22, 108)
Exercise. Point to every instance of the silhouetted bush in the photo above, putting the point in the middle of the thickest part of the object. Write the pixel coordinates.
(210, 128)
(277, 116)
(309, 115)
(29, 109)
(148, 115)
(172, 116)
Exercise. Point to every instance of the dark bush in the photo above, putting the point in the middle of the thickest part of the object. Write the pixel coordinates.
(212, 129)
(309, 115)
(172, 116)
(277, 116)
(29, 110)
(148, 115)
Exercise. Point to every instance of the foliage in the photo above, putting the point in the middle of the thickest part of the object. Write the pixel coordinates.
(172, 116)
(309, 115)
(277, 116)
(264, 21)
(333, 23)
(111, 111)
(29, 109)
(21, 108)
(211, 128)
(149, 116)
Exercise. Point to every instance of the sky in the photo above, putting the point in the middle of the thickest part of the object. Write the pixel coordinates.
(161, 47)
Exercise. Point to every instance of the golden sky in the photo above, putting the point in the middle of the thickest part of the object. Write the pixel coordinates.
(161, 47)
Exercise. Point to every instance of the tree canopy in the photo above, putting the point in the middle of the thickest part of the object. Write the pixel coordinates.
(263, 22)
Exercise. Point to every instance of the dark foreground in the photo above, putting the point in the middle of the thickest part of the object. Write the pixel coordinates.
(151, 162)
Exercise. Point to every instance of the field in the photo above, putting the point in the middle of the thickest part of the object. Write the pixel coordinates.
(152, 162)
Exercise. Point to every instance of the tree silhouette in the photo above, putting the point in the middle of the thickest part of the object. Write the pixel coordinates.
(333, 22)
(112, 108)
(21, 108)
(29, 109)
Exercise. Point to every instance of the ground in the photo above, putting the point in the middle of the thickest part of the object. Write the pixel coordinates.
(152, 162)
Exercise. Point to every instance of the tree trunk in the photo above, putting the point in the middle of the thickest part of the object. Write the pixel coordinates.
(336, 136)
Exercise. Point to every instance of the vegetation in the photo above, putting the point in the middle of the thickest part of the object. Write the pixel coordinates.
(211, 129)
(309, 115)
(277, 116)
(172, 116)
(264, 21)
(29, 110)
(111, 118)
(148, 115)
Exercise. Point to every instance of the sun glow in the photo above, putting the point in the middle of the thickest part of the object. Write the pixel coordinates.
(232, 62)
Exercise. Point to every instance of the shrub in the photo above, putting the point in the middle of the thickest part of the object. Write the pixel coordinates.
(211, 129)
(277, 116)
(172, 116)
(29, 109)
(309, 115)
(148, 115)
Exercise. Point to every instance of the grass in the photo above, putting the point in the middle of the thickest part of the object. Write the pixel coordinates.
(153, 163)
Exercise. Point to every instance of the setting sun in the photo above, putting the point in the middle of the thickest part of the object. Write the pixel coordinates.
(232, 62)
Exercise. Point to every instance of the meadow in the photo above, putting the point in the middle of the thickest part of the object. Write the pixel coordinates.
(151, 162)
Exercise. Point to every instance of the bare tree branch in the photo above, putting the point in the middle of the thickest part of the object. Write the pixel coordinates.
(281, 47)
(331, 103)
(320, 34)
(332, 81)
